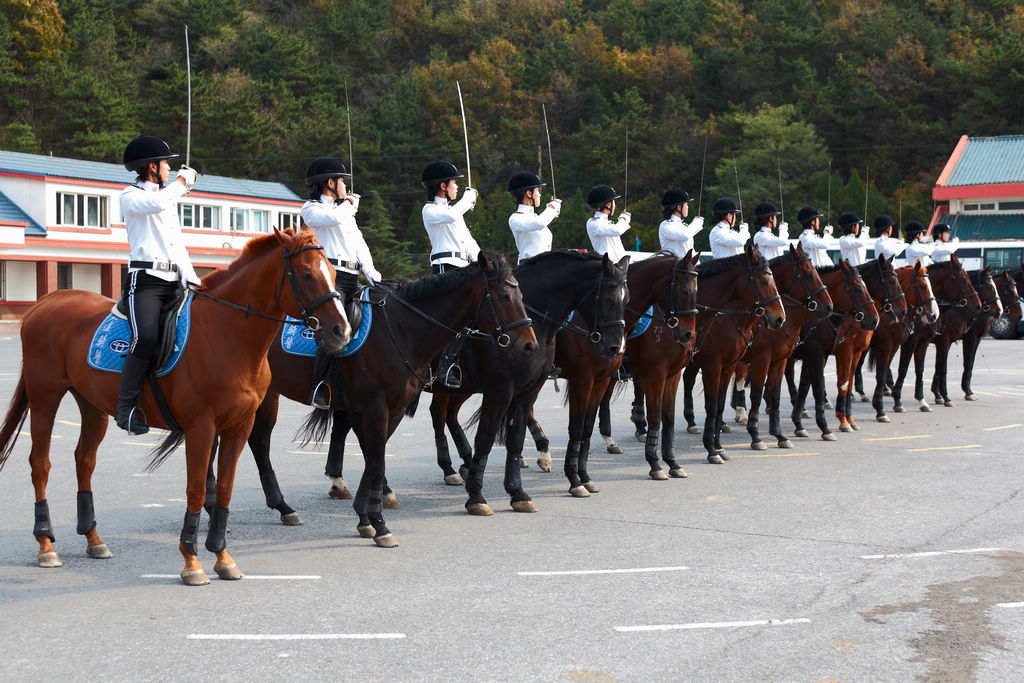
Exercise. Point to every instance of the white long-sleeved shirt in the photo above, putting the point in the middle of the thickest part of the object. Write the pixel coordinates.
(943, 250)
(854, 249)
(531, 231)
(817, 247)
(770, 244)
(447, 229)
(918, 250)
(676, 236)
(336, 229)
(725, 241)
(890, 246)
(604, 235)
(154, 233)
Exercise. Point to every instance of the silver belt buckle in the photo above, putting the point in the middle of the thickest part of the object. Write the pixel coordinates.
(162, 265)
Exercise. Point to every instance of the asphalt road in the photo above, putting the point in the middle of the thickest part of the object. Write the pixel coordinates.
(894, 553)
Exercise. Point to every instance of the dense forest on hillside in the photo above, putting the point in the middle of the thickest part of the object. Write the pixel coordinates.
(776, 92)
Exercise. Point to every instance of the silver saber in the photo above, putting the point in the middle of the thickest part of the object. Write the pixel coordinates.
(351, 159)
(828, 210)
(465, 137)
(188, 125)
(700, 196)
(625, 189)
(551, 161)
(739, 196)
(782, 205)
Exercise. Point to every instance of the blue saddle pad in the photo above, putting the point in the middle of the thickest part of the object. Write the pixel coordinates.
(299, 340)
(113, 337)
(642, 324)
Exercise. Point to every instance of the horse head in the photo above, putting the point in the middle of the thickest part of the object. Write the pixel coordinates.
(1010, 298)
(802, 283)
(991, 303)
(505, 311)
(861, 305)
(681, 316)
(761, 294)
(608, 324)
(889, 292)
(965, 295)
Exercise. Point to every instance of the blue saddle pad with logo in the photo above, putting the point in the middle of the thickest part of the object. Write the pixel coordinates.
(113, 337)
(642, 324)
(299, 340)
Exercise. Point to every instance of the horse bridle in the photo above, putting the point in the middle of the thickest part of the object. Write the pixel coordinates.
(986, 304)
(501, 332)
(307, 306)
(964, 297)
(809, 303)
(887, 302)
(759, 309)
(671, 319)
(594, 333)
(858, 315)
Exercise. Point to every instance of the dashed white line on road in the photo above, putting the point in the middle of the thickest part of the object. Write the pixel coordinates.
(248, 577)
(943, 448)
(900, 438)
(932, 553)
(720, 624)
(295, 636)
(996, 429)
(580, 572)
(1010, 604)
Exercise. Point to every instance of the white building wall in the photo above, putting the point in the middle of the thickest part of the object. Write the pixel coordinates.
(25, 192)
(86, 276)
(21, 280)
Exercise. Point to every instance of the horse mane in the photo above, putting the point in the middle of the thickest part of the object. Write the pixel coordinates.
(562, 254)
(254, 249)
(947, 265)
(825, 270)
(796, 258)
(433, 286)
(723, 265)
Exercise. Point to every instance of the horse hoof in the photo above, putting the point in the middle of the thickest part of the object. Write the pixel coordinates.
(365, 531)
(887, 392)
(386, 541)
(390, 501)
(950, 404)
(882, 418)
(49, 560)
(479, 509)
(524, 506)
(693, 429)
(677, 473)
(970, 397)
(828, 436)
(899, 409)
(854, 426)
(845, 428)
(291, 519)
(758, 446)
(925, 408)
(715, 459)
(785, 443)
(544, 465)
(640, 436)
(228, 572)
(463, 471)
(658, 475)
(864, 398)
(726, 429)
(453, 480)
(801, 432)
(804, 415)
(721, 454)
(195, 577)
(99, 552)
(340, 494)
(523, 464)
(591, 486)
(579, 492)
(614, 448)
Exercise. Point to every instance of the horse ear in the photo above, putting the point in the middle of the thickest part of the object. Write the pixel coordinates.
(481, 260)
(623, 262)
(281, 237)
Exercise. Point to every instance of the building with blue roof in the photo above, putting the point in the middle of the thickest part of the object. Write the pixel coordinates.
(61, 228)
(983, 183)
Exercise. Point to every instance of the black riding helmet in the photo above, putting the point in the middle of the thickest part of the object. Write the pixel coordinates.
(325, 168)
(848, 221)
(765, 210)
(724, 206)
(807, 214)
(144, 149)
(522, 181)
(881, 223)
(911, 230)
(600, 195)
(675, 197)
(438, 172)
(939, 229)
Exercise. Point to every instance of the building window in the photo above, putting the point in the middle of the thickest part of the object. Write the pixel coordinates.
(3, 281)
(198, 216)
(250, 220)
(289, 220)
(63, 276)
(85, 210)
(1011, 206)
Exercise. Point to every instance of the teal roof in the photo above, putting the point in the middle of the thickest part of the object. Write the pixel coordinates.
(991, 227)
(59, 167)
(9, 211)
(990, 161)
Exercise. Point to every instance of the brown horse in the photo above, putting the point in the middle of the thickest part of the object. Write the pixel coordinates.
(731, 309)
(212, 394)
(373, 388)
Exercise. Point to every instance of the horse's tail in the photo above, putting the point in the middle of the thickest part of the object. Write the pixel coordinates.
(871, 359)
(410, 410)
(164, 450)
(15, 419)
(618, 388)
(315, 428)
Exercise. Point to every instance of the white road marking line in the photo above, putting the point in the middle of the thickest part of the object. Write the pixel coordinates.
(899, 438)
(67, 422)
(985, 393)
(1010, 604)
(255, 577)
(770, 455)
(580, 572)
(295, 636)
(996, 429)
(142, 474)
(943, 448)
(153, 505)
(52, 436)
(721, 624)
(386, 455)
(932, 553)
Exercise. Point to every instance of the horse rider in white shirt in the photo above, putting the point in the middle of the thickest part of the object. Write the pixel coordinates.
(917, 250)
(766, 216)
(530, 229)
(158, 264)
(676, 237)
(944, 246)
(331, 213)
(605, 236)
(815, 245)
(886, 244)
(724, 240)
(451, 244)
(853, 247)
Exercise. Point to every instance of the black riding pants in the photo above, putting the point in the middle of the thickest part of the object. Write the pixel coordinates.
(146, 297)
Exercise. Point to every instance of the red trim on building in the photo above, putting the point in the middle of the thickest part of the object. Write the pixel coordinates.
(76, 228)
(14, 224)
(236, 197)
(978, 191)
(940, 211)
(953, 159)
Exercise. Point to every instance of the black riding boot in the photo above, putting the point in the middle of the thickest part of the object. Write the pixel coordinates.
(129, 415)
(320, 394)
(448, 369)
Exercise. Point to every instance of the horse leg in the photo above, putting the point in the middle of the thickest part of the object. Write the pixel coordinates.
(577, 416)
(941, 367)
(790, 383)
(668, 426)
(651, 387)
(776, 371)
(517, 417)
(724, 383)
(462, 446)
(340, 427)
(971, 340)
(605, 420)
(756, 391)
(94, 427)
(372, 432)
(919, 356)
(689, 377)
(844, 368)
(540, 440)
(881, 370)
(906, 354)
(818, 388)
(712, 376)
(636, 414)
(859, 379)
(198, 447)
(438, 417)
(42, 414)
(493, 409)
(596, 398)
(800, 398)
(739, 394)
(231, 444)
(259, 444)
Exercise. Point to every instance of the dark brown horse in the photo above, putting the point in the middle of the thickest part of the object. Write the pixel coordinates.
(212, 393)
(734, 294)
(372, 389)
(958, 303)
